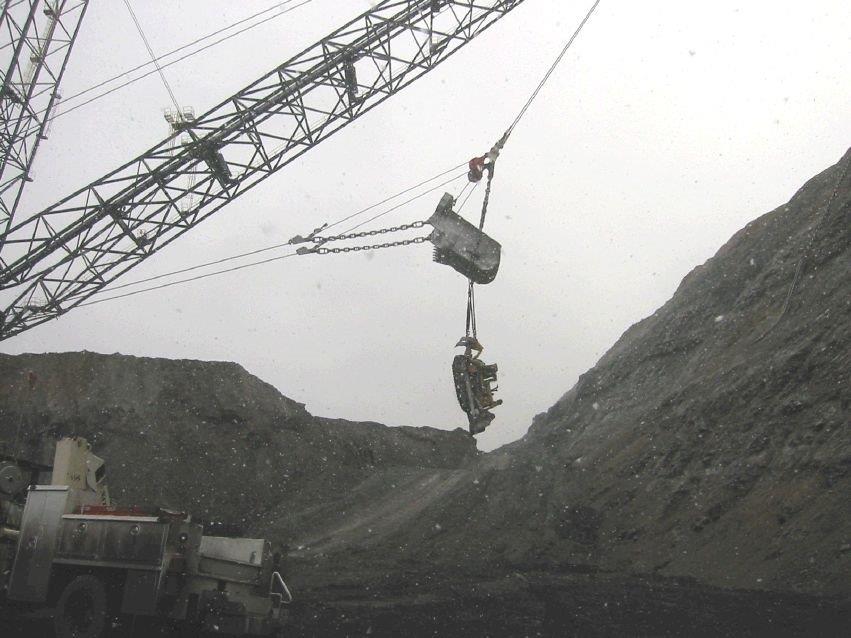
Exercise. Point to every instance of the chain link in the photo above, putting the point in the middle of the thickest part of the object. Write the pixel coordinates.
(319, 249)
(367, 233)
(354, 249)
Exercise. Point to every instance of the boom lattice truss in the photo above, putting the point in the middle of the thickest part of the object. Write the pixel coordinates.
(36, 37)
(59, 257)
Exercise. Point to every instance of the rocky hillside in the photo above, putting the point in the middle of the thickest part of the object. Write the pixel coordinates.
(204, 436)
(712, 441)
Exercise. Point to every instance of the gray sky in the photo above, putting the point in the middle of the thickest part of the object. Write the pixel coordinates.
(667, 127)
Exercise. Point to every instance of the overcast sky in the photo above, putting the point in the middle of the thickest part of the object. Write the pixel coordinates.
(668, 127)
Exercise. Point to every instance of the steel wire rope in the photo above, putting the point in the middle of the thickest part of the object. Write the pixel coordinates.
(497, 148)
(552, 69)
(501, 142)
(187, 280)
(407, 201)
(472, 190)
(407, 190)
(186, 46)
(275, 246)
(151, 53)
(172, 62)
(463, 190)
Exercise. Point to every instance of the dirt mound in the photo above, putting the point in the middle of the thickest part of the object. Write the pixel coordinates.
(206, 437)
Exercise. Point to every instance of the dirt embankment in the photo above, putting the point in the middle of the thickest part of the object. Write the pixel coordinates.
(207, 437)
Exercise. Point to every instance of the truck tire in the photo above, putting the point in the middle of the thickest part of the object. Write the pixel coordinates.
(81, 611)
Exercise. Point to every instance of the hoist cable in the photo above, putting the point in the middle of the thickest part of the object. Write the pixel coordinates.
(198, 266)
(151, 53)
(407, 201)
(461, 193)
(180, 59)
(493, 154)
(486, 200)
(472, 190)
(407, 190)
(188, 279)
(471, 310)
(551, 69)
(277, 5)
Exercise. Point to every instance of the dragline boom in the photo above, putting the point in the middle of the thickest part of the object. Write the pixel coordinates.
(56, 259)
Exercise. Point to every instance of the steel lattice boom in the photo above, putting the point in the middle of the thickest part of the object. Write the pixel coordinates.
(36, 37)
(56, 259)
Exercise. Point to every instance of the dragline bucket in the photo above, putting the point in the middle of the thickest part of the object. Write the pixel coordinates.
(459, 244)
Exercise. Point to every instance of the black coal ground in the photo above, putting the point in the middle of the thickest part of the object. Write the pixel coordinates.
(531, 604)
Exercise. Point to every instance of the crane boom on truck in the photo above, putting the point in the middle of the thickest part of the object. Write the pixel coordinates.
(54, 260)
(65, 546)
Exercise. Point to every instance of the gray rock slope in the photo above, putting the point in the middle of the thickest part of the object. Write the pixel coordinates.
(713, 440)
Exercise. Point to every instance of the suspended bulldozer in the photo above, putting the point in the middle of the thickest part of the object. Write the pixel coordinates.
(459, 244)
(475, 383)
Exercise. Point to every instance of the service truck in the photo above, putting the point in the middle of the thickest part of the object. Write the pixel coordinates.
(65, 547)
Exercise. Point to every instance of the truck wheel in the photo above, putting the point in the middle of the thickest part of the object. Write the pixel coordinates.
(81, 610)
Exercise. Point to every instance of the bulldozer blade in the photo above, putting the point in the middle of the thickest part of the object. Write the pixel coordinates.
(459, 244)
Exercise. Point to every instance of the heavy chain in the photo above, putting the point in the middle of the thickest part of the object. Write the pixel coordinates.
(366, 233)
(320, 241)
(354, 249)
